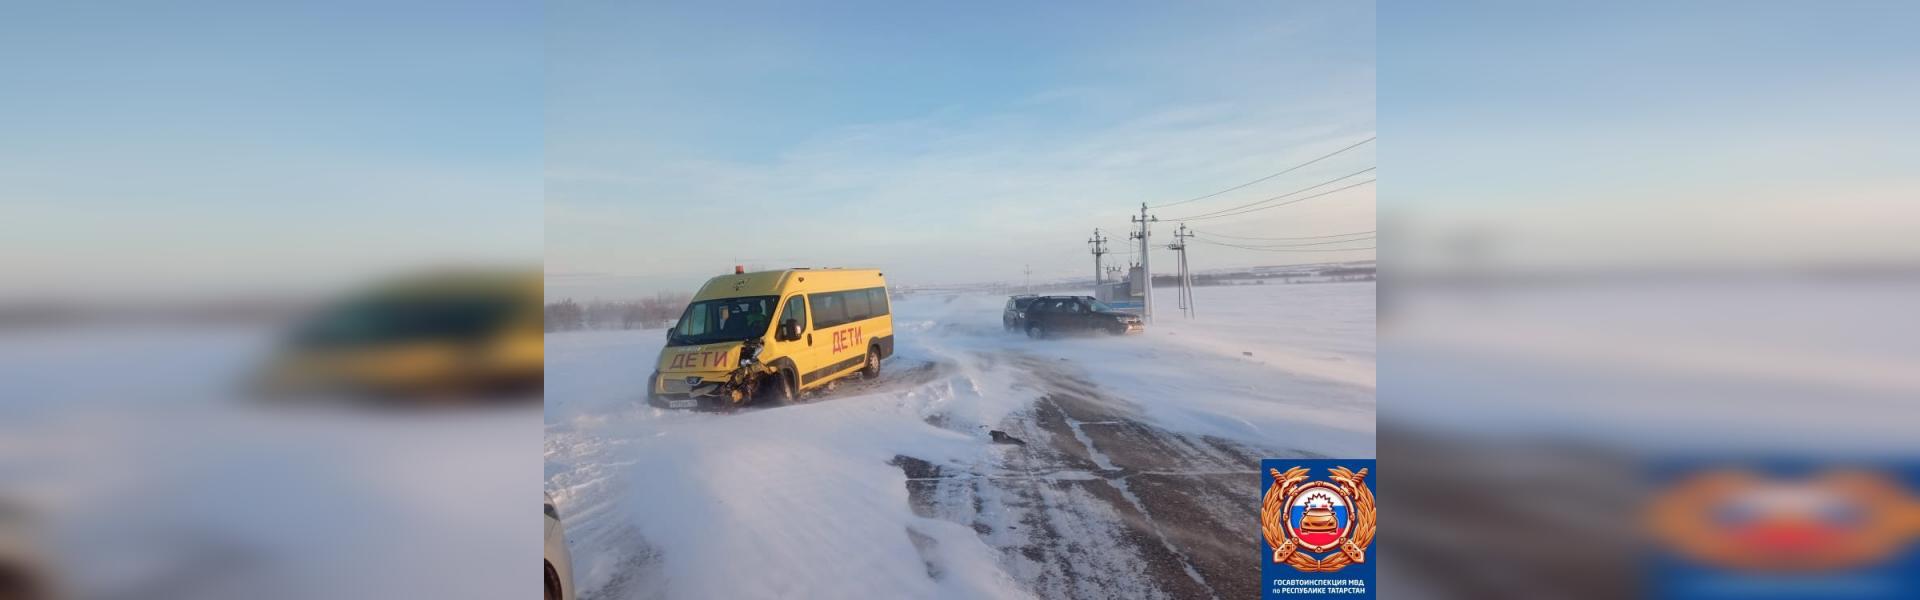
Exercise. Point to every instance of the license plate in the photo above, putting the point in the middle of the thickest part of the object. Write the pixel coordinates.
(682, 403)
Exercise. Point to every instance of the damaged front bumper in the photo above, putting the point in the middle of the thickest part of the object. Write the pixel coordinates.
(681, 391)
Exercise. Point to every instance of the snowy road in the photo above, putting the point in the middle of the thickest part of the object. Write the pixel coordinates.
(1134, 475)
(1102, 505)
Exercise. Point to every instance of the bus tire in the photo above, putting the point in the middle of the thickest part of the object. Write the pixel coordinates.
(872, 368)
(776, 389)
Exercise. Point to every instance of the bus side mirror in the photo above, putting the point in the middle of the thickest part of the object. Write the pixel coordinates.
(789, 331)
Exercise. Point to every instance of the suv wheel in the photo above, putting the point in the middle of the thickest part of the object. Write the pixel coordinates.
(1035, 332)
(552, 584)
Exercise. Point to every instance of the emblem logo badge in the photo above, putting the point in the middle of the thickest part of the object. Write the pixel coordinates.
(1782, 520)
(1334, 517)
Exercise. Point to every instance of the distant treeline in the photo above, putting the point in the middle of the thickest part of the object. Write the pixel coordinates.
(644, 313)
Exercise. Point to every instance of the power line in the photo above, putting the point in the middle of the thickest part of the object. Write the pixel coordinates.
(1302, 199)
(1273, 198)
(1308, 243)
(1286, 171)
(1284, 239)
(1260, 249)
(1296, 245)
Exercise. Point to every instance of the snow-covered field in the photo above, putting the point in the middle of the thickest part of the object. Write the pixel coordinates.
(142, 473)
(1663, 366)
(864, 491)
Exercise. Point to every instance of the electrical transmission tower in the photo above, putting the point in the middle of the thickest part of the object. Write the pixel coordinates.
(1099, 244)
(1186, 274)
(1146, 222)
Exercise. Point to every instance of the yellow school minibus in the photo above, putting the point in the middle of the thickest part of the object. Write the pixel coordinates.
(770, 335)
(428, 338)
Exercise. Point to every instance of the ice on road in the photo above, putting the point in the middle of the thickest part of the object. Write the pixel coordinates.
(1136, 477)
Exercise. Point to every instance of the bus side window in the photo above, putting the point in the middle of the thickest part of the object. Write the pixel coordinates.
(878, 298)
(695, 323)
(828, 311)
(857, 305)
(796, 311)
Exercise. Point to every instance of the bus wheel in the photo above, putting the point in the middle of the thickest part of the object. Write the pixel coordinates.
(872, 369)
(776, 390)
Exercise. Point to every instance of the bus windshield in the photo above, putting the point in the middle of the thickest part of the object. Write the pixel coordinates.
(395, 319)
(723, 320)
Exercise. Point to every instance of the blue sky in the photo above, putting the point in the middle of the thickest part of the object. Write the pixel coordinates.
(1622, 134)
(642, 146)
(945, 142)
(223, 147)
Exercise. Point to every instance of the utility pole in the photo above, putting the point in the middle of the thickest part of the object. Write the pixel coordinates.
(1146, 230)
(1179, 270)
(1029, 271)
(1191, 308)
(1186, 272)
(1099, 244)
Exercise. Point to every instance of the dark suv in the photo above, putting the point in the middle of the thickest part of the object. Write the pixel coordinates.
(1014, 318)
(1053, 315)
